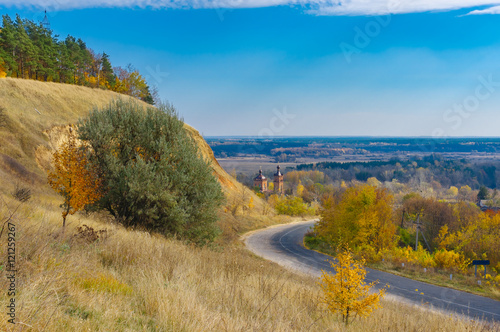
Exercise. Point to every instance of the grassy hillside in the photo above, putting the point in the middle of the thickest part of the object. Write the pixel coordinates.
(99, 276)
(37, 114)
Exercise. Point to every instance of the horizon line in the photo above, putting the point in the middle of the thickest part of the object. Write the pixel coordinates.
(345, 136)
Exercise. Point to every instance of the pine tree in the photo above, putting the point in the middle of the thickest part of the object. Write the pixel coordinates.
(107, 72)
(483, 193)
(65, 67)
(8, 45)
(45, 48)
(29, 50)
(26, 56)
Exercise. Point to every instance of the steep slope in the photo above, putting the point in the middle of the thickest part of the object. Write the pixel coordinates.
(36, 116)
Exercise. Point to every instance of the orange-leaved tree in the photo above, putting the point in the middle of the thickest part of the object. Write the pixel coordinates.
(74, 178)
(345, 291)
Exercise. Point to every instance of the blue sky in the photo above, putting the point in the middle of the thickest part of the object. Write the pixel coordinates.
(303, 68)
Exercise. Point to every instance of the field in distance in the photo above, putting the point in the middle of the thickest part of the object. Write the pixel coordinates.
(248, 154)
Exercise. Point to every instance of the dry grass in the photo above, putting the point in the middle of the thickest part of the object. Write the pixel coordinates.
(130, 280)
(31, 107)
(134, 281)
(35, 116)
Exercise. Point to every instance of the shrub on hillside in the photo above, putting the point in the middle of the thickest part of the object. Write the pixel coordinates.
(153, 174)
(3, 117)
(291, 206)
(450, 260)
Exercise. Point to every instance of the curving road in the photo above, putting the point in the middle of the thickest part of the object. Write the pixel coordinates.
(283, 245)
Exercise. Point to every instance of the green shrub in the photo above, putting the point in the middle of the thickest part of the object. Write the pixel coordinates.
(153, 174)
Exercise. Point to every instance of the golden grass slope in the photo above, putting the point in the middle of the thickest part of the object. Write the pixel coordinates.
(37, 117)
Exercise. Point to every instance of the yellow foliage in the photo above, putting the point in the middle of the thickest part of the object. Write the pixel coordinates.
(497, 279)
(346, 292)
(300, 189)
(295, 177)
(479, 238)
(120, 86)
(453, 191)
(291, 206)
(105, 283)
(406, 254)
(362, 217)
(443, 258)
(423, 257)
(74, 178)
(443, 240)
(3, 73)
(373, 181)
(450, 259)
(251, 204)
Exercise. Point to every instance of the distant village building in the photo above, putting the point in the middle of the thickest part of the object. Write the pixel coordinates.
(278, 181)
(485, 205)
(261, 182)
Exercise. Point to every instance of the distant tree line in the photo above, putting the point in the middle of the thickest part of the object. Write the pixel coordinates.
(288, 149)
(429, 169)
(29, 50)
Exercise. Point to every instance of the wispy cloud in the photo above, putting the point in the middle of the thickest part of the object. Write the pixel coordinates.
(491, 10)
(317, 7)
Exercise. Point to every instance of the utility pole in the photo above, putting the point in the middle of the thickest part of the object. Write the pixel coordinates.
(418, 229)
(416, 233)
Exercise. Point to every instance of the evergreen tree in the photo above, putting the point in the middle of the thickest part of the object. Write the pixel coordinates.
(65, 67)
(107, 71)
(483, 193)
(73, 53)
(45, 48)
(8, 45)
(29, 50)
(84, 63)
(26, 57)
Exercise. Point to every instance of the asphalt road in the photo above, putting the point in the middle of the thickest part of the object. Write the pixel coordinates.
(283, 245)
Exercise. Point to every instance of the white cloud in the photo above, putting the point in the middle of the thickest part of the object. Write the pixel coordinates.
(382, 7)
(317, 7)
(491, 10)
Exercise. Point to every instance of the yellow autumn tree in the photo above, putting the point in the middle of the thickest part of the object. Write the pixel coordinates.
(300, 189)
(3, 71)
(362, 218)
(346, 292)
(74, 178)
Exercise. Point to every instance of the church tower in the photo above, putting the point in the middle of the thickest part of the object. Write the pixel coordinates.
(278, 181)
(261, 182)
